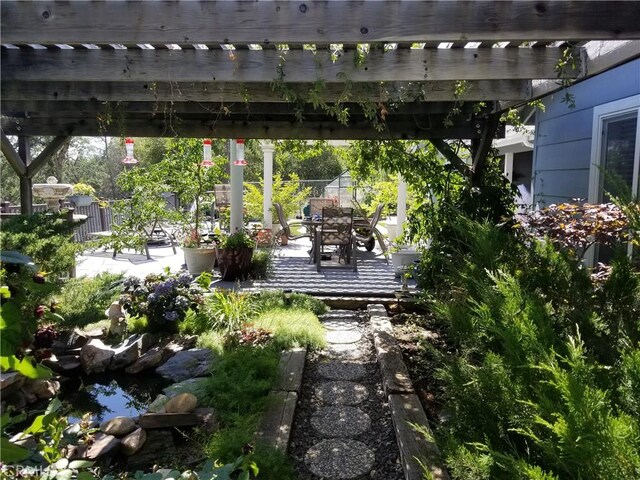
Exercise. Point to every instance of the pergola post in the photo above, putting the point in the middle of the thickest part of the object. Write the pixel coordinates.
(26, 181)
(25, 167)
(237, 184)
(402, 205)
(267, 150)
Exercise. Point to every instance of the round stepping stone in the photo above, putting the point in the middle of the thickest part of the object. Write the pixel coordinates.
(337, 370)
(340, 421)
(340, 324)
(341, 392)
(343, 336)
(339, 459)
(338, 351)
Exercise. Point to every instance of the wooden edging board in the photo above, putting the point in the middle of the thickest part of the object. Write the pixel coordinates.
(418, 449)
(275, 426)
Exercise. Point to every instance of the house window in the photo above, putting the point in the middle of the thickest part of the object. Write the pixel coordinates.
(615, 156)
(615, 149)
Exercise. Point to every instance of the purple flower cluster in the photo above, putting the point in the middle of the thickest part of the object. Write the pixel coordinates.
(164, 299)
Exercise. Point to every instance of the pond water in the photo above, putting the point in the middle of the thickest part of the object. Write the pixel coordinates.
(111, 394)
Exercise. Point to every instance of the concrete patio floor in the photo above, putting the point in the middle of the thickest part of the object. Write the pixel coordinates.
(291, 270)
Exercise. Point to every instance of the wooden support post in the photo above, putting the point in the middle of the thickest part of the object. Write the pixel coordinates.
(26, 182)
(481, 150)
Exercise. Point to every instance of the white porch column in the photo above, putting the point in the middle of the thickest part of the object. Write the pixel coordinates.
(267, 150)
(402, 205)
(237, 185)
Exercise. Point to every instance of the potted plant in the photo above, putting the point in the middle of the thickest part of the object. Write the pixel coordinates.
(83, 195)
(191, 178)
(234, 256)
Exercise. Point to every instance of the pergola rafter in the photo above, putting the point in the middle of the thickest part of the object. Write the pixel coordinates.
(220, 68)
(294, 69)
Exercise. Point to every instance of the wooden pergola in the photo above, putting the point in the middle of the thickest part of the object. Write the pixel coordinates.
(290, 69)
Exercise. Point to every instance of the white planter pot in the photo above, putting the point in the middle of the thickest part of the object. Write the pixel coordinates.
(199, 260)
(81, 200)
(402, 259)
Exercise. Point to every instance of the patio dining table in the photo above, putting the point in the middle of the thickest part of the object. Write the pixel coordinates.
(312, 224)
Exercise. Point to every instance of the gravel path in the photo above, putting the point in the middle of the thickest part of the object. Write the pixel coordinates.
(342, 428)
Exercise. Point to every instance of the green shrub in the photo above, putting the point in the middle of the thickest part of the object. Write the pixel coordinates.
(575, 426)
(271, 299)
(45, 237)
(226, 311)
(629, 388)
(261, 264)
(137, 324)
(294, 327)
(237, 391)
(84, 300)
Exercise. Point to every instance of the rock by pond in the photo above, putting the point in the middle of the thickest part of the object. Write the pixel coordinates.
(133, 442)
(182, 403)
(187, 364)
(95, 356)
(118, 426)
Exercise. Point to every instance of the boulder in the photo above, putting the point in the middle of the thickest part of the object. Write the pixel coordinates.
(24, 440)
(118, 426)
(64, 364)
(125, 353)
(76, 452)
(182, 403)
(187, 364)
(102, 445)
(10, 382)
(95, 356)
(147, 340)
(29, 396)
(192, 385)
(157, 448)
(155, 357)
(157, 405)
(133, 442)
(42, 388)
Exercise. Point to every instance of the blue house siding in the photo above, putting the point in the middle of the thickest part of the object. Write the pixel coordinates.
(562, 151)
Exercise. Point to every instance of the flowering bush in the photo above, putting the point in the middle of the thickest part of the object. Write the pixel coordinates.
(164, 299)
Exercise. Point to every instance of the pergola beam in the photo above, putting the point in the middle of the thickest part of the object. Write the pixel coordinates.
(405, 127)
(426, 91)
(77, 109)
(266, 66)
(312, 21)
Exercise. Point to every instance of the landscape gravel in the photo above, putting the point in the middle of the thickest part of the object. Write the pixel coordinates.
(379, 439)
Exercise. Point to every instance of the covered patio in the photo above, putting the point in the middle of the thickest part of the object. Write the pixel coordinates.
(432, 70)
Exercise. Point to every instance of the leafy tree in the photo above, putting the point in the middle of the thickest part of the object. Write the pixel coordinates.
(311, 160)
(285, 192)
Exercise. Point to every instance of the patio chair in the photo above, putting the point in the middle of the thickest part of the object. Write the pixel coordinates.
(336, 229)
(286, 226)
(371, 232)
(317, 204)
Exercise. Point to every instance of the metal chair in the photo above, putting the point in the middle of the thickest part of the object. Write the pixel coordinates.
(286, 226)
(336, 229)
(367, 239)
